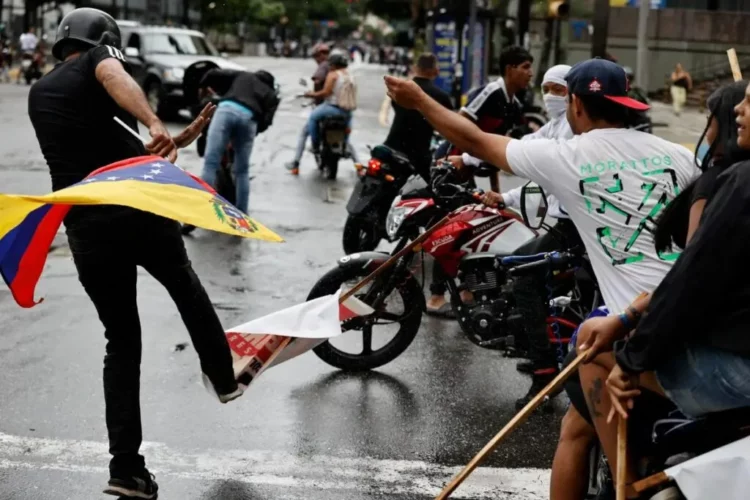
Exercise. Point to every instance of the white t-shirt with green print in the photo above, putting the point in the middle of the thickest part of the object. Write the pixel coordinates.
(613, 183)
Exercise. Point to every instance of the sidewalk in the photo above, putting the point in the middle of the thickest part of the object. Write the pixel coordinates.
(685, 129)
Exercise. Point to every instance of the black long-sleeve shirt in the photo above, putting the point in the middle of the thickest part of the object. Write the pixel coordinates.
(705, 297)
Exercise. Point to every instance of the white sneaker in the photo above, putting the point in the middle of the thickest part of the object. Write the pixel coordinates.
(226, 398)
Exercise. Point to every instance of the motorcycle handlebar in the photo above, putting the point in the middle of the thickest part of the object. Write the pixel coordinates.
(549, 259)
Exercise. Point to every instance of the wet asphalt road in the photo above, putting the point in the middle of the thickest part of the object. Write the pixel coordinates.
(304, 430)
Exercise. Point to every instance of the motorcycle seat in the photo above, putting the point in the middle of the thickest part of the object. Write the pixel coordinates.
(334, 122)
(679, 433)
(390, 155)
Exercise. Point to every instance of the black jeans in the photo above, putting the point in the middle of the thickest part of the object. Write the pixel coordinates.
(531, 293)
(106, 254)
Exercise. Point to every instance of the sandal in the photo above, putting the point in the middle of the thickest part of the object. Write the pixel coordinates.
(444, 311)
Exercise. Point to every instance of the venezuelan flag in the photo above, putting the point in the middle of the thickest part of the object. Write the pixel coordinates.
(28, 224)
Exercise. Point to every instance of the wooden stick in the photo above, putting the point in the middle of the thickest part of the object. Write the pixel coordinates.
(650, 482)
(385, 265)
(520, 417)
(622, 458)
(735, 65)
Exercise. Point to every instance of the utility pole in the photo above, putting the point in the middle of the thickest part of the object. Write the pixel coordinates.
(524, 17)
(470, 44)
(601, 28)
(641, 67)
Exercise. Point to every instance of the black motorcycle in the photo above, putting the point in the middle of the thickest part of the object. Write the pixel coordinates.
(379, 184)
(334, 145)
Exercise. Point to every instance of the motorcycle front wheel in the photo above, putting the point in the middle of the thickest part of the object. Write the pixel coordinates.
(408, 290)
(360, 235)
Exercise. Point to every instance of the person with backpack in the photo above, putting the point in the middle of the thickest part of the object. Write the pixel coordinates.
(340, 99)
(248, 104)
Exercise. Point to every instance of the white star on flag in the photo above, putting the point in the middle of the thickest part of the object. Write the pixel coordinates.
(146, 176)
(112, 178)
(155, 171)
(90, 180)
(158, 165)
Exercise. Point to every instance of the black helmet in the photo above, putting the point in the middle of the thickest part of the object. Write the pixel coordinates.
(91, 26)
(339, 60)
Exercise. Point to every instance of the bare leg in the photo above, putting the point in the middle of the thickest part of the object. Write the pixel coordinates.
(593, 378)
(569, 468)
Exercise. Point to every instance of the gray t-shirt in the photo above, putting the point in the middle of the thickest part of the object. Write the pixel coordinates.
(320, 75)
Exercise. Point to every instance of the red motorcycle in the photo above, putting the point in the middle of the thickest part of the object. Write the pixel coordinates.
(469, 246)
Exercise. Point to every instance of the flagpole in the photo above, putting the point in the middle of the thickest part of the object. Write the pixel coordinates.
(133, 132)
(385, 265)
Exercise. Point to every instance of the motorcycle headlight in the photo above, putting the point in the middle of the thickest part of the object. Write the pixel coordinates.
(174, 74)
(395, 218)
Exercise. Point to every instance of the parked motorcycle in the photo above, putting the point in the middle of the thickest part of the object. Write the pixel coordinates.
(368, 206)
(334, 132)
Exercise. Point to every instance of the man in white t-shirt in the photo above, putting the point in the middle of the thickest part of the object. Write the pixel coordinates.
(612, 181)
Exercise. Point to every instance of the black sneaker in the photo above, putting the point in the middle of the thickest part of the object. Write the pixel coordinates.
(140, 486)
(540, 379)
(526, 367)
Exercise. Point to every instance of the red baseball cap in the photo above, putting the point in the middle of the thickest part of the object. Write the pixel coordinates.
(603, 78)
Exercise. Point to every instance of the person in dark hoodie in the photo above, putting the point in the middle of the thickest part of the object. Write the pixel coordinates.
(247, 107)
(690, 343)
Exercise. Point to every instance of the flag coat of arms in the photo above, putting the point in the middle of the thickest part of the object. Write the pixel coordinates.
(264, 342)
(28, 224)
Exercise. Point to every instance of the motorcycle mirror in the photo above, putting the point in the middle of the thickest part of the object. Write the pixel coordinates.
(132, 52)
(533, 205)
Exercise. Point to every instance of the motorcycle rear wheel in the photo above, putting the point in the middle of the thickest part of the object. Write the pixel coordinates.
(360, 235)
(330, 166)
(225, 185)
(411, 294)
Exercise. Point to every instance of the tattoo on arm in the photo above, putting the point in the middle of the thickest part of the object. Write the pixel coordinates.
(595, 397)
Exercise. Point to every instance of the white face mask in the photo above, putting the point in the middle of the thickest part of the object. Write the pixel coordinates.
(555, 104)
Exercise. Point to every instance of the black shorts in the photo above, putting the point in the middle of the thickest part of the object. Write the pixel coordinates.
(647, 409)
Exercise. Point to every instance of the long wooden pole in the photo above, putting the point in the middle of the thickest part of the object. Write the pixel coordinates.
(622, 458)
(734, 63)
(520, 417)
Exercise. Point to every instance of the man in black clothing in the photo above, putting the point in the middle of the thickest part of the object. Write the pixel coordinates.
(410, 133)
(72, 110)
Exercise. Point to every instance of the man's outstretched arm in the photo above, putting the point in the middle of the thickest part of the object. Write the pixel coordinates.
(455, 128)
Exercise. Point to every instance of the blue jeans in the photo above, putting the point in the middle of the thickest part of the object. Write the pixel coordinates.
(702, 380)
(231, 124)
(325, 110)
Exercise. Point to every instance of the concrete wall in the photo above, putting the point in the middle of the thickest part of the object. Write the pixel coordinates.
(696, 39)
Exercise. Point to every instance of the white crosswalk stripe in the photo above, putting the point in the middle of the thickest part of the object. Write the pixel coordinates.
(268, 468)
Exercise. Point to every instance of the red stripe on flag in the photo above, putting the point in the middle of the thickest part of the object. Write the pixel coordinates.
(32, 263)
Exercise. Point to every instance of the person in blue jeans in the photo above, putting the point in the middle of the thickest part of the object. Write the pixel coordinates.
(247, 107)
(337, 76)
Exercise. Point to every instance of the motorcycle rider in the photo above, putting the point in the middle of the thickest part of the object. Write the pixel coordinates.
(71, 110)
(337, 82)
(495, 107)
(248, 104)
(530, 290)
(320, 54)
(411, 134)
(28, 43)
(680, 223)
(599, 175)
